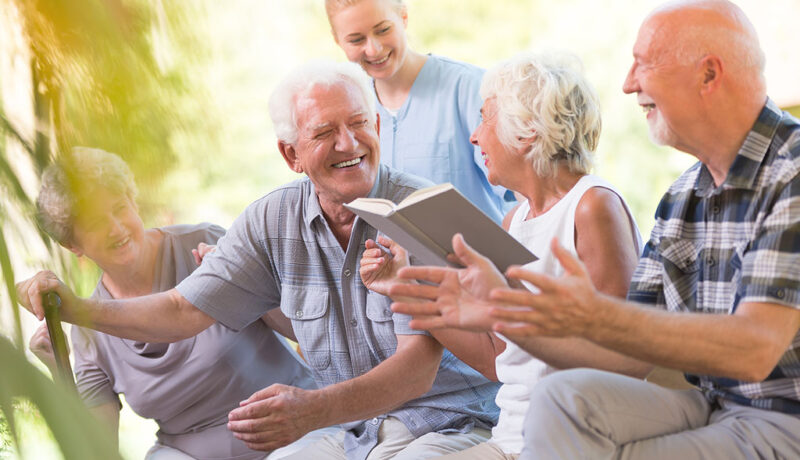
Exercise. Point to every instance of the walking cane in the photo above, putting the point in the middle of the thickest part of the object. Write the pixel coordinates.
(63, 375)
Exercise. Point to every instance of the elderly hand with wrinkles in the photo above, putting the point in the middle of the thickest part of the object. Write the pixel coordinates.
(563, 307)
(30, 291)
(455, 297)
(276, 416)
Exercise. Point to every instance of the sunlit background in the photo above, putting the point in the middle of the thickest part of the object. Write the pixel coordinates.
(180, 89)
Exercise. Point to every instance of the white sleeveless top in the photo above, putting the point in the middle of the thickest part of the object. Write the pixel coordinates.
(516, 368)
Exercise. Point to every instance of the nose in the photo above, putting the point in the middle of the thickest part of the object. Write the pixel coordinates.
(115, 227)
(373, 47)
(631, 84)
(346, 140)
(473, 139)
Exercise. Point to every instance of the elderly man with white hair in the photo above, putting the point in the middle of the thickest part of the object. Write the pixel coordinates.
(396, 391)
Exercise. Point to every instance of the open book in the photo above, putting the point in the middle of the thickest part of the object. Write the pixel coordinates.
(424, 224)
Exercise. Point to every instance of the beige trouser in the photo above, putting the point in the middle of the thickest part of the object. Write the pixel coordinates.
(397, 443)
(162, 452)
(483, 451)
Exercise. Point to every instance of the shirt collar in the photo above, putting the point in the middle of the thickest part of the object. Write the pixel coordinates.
(313, 208)
(751, 154)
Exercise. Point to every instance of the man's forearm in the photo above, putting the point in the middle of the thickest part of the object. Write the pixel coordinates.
(406, 375)
(744, 346)
(161, 317)
(568, 353)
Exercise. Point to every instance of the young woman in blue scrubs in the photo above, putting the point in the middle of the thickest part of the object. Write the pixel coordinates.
(428, 105)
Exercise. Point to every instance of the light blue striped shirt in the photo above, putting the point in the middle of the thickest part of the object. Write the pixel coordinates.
(280, 253)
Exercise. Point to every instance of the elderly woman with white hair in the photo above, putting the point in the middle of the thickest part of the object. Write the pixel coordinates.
(87, 204)
(540, 126)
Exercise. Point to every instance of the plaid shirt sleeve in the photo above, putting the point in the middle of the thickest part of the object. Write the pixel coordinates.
(770, 264)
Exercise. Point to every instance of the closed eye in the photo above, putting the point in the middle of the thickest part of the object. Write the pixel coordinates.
(323, 134)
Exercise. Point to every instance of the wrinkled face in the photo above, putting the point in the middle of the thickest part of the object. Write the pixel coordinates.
(372, 34)
(496, 157)
(337, 145)
(666, 90)
(108, 230)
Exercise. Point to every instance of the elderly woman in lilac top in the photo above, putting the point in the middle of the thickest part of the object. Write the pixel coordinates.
(188, 387)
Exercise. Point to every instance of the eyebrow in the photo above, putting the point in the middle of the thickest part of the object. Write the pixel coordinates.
(359, 34)
(321, 126)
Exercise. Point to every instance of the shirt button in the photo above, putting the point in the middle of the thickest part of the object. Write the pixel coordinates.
(711, 261)
(347, 272)
(387, 313)
(715, 209)
(298, 314)
(375, 421)
(353, 322)
(780, 293)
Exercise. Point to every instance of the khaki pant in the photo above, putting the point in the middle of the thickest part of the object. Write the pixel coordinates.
(584, 413)
(483, 451)
(397, 443)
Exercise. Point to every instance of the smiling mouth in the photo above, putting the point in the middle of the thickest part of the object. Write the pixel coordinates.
(647, 108)
(348, 163)
(379, 61)
(121, 243)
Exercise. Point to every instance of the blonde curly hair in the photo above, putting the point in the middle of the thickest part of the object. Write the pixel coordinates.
(546, 95)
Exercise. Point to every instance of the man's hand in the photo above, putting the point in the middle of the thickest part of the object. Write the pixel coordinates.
(276, 416)
(564, 307)
(201, 251)
(42, 348)
(29, 294)
(378, 268)
(459, 297)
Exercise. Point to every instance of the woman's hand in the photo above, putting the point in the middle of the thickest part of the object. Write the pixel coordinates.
(30, 291)
(453, 297)
(379, 268)
(42, 348)
(201, 251)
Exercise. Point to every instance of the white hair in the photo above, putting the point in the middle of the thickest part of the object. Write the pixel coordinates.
(282, 102)
(547, 96)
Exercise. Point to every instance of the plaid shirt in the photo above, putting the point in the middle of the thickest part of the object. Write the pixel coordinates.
(713, 248)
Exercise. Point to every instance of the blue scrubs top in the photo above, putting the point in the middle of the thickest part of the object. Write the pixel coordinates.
(429, 136)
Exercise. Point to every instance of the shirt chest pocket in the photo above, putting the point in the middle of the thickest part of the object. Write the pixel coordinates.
(308, 309)
(681, 264)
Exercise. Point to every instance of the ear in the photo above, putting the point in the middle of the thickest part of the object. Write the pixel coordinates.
(528, 140)
(74, 249)
(378, 124)
(711, 68)
(289, 154)
(404, 16)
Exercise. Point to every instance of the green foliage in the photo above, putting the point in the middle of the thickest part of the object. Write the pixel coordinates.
(101, 77)
(103, 68)
(77, 433)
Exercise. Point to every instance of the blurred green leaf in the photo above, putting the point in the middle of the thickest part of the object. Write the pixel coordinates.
(78, 434)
